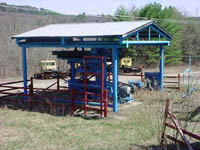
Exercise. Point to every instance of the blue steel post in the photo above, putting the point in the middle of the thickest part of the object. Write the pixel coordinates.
(161, 67)
(137, 36)
(158, 37)
(115, 77)
(149, 34)
(24, 70)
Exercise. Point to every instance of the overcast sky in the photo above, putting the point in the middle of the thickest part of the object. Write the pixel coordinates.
(94, 7)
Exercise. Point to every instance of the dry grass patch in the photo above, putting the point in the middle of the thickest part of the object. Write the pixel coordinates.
(132, 126)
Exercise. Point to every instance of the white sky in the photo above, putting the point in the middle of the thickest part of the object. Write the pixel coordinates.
(94, 7)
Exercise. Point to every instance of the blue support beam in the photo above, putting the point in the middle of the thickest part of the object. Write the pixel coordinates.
(149, 33)
(158, 37)
(70, 46)
(134, 33)
(79, 44)
(162, 34)
(62, 41)
(149, 28)
(153, 43)
(24, 70)
(115, 77)
(137, 36)
(161, 67)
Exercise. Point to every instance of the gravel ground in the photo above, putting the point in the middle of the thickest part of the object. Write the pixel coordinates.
(195, 71)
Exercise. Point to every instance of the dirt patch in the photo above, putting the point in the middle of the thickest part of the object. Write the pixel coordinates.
(128, 105)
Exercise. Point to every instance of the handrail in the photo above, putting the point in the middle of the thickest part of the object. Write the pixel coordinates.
(34, 93)
(13, 82)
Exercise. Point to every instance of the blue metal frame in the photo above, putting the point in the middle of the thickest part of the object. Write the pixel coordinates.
(82, 44)
(24, 70)
(62, 41)
(159, 32)
(115, 77)
(161, 67)
(134, 33)
(123, 42)
(149, 27)
(149, 33)
(153, 43)
(137, 36)
(158, 37)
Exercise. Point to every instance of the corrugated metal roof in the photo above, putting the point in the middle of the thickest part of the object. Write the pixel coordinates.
(85, 29)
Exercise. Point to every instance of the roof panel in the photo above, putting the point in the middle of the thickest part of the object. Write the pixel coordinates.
(85, 29)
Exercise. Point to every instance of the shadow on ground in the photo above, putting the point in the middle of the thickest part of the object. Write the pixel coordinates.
(45, 106)
(195, 146)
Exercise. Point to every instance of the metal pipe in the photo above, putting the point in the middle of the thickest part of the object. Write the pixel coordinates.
(102, 84)
(149, 33)
(85, 84)
(161, 67)
(137, 36)
(24, 70)
(114, 70)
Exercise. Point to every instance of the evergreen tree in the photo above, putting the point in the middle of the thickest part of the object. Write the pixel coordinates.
(155, 11)
(162, 16)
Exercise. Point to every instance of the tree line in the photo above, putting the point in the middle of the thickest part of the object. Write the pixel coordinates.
(13, 22)
(185, 31)
(186, 34)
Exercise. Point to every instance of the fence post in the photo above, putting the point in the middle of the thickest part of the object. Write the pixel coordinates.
(30, 95)
(142, 76)
(72, 104)
(31, 89)
(105, 103)
(179, 82)
(164, 121)
(58, 81)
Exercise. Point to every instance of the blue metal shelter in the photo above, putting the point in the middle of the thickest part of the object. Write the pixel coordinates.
(111, 35)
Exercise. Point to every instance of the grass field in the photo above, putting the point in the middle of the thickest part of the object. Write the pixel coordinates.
(136, 126)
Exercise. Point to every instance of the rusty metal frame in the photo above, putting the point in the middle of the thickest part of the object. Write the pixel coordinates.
(175, 126)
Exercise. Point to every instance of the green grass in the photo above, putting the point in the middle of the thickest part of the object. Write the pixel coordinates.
(132, 125)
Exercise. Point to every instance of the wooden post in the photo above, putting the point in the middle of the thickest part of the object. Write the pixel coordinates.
(31, 90)
(142, 76)
(179, 82)
(30, 94)
(164, 121)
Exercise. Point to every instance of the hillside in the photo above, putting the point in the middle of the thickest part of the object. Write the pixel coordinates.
(19, 19)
